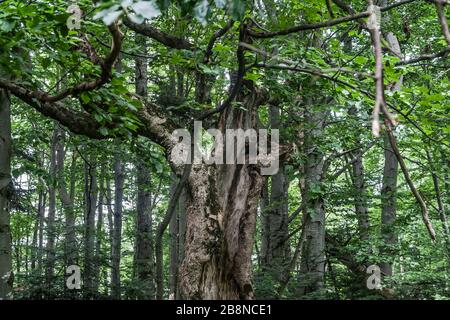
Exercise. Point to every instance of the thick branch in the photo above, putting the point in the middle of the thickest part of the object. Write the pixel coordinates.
(166, 39)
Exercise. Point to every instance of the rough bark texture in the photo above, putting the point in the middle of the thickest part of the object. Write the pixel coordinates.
(6, 273)
(221, 217)
(312, 267)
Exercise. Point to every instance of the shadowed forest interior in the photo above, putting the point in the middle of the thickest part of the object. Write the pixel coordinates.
(91, 93)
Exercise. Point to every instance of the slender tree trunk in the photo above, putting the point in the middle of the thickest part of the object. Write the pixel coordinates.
(144, 263)
(42, 206)
(389, 186)
(173, 254)
(110, 226)
(181, 233)
(99, 230)
(6, 272)
(70, 245)
(389, 205)
(359, 188)
(276, 248)
(144, 236)
(51, 228)
(91, 190)
(117, 235)
(440, 202)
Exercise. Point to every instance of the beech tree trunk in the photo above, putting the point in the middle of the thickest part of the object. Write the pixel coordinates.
(312, 268)
(221, 216)
(6, 272)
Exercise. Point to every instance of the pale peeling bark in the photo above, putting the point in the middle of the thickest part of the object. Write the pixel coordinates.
(6, 273)
(221, 217)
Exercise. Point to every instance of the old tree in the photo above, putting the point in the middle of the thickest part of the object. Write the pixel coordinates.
(91, 92)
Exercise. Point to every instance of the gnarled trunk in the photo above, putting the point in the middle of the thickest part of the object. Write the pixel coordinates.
(221, 215)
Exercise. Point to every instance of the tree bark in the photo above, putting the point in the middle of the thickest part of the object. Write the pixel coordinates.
(66, 197)
(221, 218)
(389, 205)
(312, 268)
(275, 232)
(91, 194)
(117, 234)
(6, 272)
(389, 186)
(144, 235)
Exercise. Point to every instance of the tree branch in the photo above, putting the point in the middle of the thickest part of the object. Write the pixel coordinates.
(164, 38)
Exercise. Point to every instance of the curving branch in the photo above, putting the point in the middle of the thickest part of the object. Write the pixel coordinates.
(164, 38)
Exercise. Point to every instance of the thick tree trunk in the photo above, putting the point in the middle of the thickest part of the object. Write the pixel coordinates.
(312, 268)
(91, 193)
(117, 235)
(6, 272)
(221, 218)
